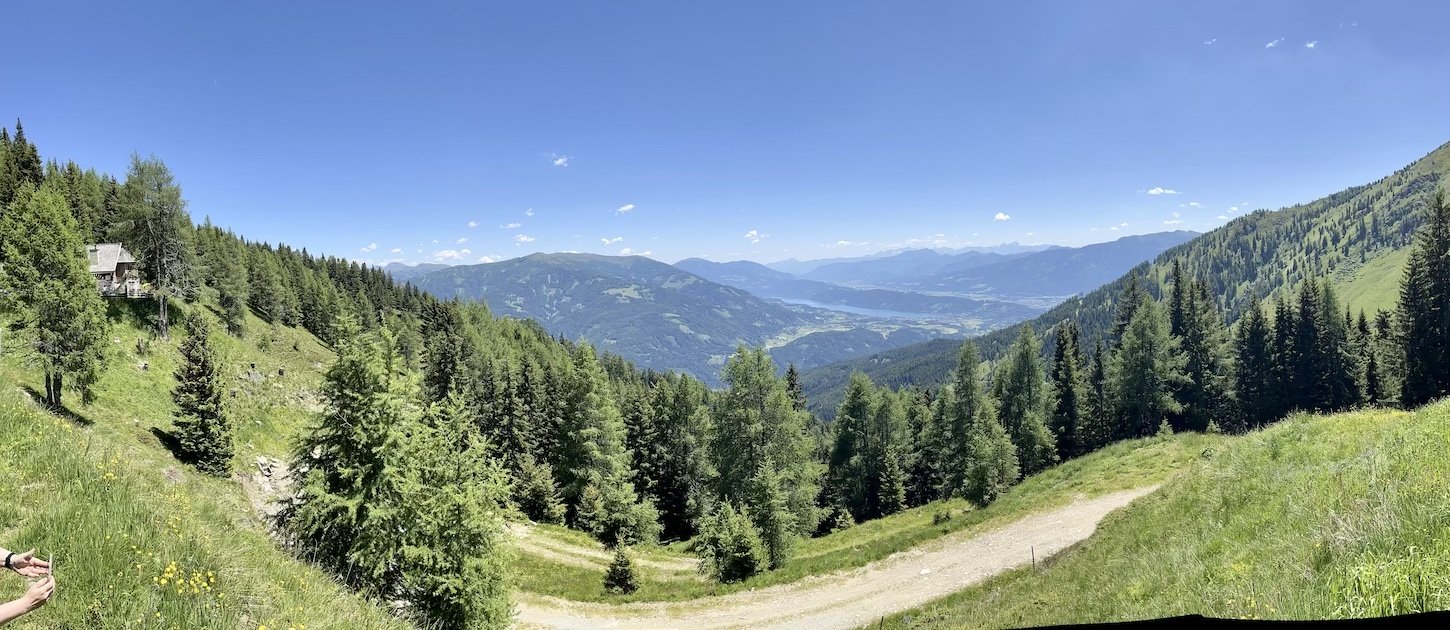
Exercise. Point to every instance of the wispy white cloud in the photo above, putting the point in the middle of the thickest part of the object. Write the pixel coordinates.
(514, 225)
(367, 248)
(1194, 204)
(529, 212)
(1159, 190)
(754, 236)
(849, 244)
(624, 209)
(1233, 209)
(395, 250)
(450, 254)
(472, 224)
(1001, 216)
(461, 240)
(1174, 221)
(1311, 44)
(488, 259)
(1274, 43)
(558, 160)
(610, 241)
(520, 239)
(1222, 217)
(1209, 42)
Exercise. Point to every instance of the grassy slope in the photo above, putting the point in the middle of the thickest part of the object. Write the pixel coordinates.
(1375, 285)
(1315, 517)
(1119, 467)
(95, 485)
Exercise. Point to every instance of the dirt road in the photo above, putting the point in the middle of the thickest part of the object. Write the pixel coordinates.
(850, 599)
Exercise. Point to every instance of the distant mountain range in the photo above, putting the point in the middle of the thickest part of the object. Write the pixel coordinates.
(804, 267)
(403, 273)
(766, 282)
(647, 311)
(692, 315)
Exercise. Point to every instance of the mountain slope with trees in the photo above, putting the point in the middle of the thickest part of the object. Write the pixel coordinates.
(1263, 255)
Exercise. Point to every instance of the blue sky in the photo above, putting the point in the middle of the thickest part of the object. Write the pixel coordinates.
(461, 132)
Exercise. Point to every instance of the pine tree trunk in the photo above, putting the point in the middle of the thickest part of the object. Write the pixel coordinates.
(49, 390)
(59, 387)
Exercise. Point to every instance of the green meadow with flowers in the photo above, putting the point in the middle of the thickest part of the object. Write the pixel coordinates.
(138, 539)
(1315, 517)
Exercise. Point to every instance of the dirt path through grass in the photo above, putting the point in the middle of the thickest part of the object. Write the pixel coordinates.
(587, 557)
(850, 599)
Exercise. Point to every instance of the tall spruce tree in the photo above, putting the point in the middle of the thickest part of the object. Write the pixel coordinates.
(1254, 374)
(1068, 384)
(203, 431)
(1425, 310)
(980, 457)
(595, 475)
(1097, 428)
(50, 294)
(1204, 394)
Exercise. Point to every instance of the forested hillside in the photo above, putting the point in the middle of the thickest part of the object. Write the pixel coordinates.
(1262, 255)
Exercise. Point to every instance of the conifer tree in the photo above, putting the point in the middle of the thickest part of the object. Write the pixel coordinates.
(1023, 403)
(844, 480)
(981, 460)
(795, 388)
(927, 430)
(1128, 302)
(202, 429)
(1098, 429)
(755, 422)
(50, 294)
(1286, 398)
(1203, 341)
(771, 513)
(595, 461)
(729, 547)
(371, 406)
(1425, 310)
(1145, 370)
(1254, 374)
(1068, 383)
(158, 230)
(619, 579)
(535, 492)
(437, 534)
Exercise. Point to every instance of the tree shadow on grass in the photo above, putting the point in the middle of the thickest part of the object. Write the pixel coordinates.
(169, 441)
(61, 410)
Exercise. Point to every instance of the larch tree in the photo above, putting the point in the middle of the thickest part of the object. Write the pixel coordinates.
(1145, 370)
(158, 230)
(1023, 403)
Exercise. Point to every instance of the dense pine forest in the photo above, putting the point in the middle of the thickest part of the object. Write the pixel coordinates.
(442, 422)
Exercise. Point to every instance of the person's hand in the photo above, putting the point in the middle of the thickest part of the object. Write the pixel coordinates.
(39, 593)
(29, 566)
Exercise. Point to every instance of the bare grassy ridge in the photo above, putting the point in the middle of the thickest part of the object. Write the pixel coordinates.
(1316, 517)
